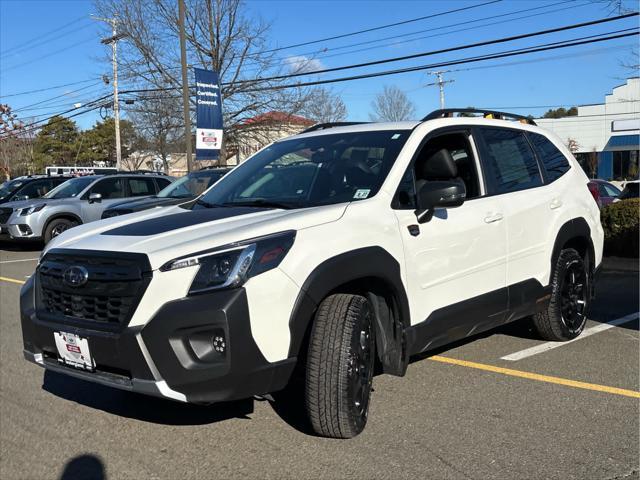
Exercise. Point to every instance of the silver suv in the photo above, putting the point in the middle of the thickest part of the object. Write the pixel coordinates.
(77, 201)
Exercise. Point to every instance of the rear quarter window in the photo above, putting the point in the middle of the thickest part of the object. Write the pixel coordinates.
(554, 161)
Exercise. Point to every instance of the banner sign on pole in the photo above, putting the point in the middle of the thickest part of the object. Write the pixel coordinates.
(208, 115)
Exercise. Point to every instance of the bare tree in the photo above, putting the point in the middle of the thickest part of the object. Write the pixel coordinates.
(325, 106)
(220, 35)
(392, 105)
(158, 120)
(16, 144)
(592, 163)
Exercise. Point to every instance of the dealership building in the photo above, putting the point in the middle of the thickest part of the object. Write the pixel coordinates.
(605, 137)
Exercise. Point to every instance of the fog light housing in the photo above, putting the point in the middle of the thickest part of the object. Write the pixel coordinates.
(208, 345)
(25, 229)
(219, 344)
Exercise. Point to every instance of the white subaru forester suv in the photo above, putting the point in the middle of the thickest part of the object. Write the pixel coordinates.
(333, 253)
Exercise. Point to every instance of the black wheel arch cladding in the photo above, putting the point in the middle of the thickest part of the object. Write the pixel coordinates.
(370, 271)
(575, 233)
(63, 216)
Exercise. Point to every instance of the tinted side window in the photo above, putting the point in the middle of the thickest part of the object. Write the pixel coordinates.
(141, 187)
(555, 163)
(109, 188)
(510, 159)
(35, 189)
(162, 182)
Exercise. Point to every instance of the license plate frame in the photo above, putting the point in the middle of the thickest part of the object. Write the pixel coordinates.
(74, 351)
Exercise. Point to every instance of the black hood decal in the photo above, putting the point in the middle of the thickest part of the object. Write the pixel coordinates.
(166, 223)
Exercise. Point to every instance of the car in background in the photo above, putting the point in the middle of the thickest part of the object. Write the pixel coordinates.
(31, 186)
(630, 190)
(77, 201)
(182, 190)
(603, 192)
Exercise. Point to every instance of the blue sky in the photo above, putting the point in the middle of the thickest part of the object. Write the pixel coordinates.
(31, 58)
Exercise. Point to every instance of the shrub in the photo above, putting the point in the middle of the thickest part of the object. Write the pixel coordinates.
(620, 222)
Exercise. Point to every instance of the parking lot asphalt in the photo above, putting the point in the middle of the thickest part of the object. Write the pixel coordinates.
(569, 412)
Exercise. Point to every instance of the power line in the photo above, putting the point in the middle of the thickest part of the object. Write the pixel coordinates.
(57, 96)
(43, 35)
(53, 53)
(393, 37)
(373, 29)
(458, 30)
(49, 88)
(453, 49)
(25, 48)
(505, 54)
(509, 53)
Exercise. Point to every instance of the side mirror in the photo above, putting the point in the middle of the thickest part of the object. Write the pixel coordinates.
(95, 197)
(439, 194)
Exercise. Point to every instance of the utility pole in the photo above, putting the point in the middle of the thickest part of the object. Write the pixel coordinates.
(440, 84)
(113, 41)
(185, 86)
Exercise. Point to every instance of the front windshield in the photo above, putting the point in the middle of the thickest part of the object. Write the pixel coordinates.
(190, 185)
(307, 172)
(8, 188)
(71, 188)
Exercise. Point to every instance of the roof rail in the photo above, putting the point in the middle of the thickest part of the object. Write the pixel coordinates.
(324, 126)
(141, 172)
(449, 112)
(214, 167)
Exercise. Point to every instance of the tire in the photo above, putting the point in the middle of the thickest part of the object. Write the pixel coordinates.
(565, 317)
(340, 364)
(56, 227)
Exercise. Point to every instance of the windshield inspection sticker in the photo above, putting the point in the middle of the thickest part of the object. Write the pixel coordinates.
(361, 193)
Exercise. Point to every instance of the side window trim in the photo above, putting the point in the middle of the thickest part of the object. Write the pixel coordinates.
(484, 190)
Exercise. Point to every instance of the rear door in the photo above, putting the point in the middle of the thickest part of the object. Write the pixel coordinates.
(141, 187)
(530, 209)
(455, 262)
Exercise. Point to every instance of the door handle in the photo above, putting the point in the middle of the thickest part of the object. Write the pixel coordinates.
(555, 203)
(493, 217)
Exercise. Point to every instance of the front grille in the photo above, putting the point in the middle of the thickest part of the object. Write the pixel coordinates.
(5, 213)
(115, 284)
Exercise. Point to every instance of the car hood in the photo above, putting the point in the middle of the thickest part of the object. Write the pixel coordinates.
(27, 203)
(148, 202)
(167, 233)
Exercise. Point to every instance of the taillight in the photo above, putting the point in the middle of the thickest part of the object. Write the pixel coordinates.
(595, 193)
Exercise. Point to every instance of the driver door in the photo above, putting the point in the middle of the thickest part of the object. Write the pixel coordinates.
(112, 190)
(455, 262)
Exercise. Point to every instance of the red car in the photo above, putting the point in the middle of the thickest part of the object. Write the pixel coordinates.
(603, 192)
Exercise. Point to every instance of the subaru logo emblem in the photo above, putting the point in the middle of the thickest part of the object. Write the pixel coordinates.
(75, 276)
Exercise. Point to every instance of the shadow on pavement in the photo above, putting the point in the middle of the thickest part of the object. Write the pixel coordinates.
(84, 467)
(30, 246)
(142, 407)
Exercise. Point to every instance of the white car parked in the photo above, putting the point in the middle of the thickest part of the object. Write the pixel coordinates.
(333, 251)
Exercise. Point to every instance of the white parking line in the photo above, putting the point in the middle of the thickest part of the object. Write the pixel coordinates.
(529, 352)
(23, 260)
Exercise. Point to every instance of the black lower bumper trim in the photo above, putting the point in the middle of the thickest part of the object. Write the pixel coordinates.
(181, 360)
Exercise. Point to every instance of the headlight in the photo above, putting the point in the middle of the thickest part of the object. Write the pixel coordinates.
(31, 209)
(230, 266)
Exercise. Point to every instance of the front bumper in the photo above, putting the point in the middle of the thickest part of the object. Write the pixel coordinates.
(18, 231)
(172, 355)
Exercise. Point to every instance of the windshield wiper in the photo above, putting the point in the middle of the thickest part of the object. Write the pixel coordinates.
(259, 202)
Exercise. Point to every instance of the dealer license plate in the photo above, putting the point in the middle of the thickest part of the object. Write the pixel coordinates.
(73, 350)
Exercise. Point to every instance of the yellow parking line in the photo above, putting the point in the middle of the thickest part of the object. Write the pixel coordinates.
(12, 280)
(536, 376)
